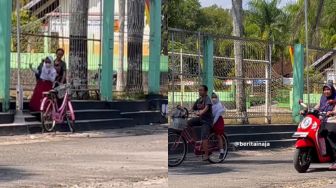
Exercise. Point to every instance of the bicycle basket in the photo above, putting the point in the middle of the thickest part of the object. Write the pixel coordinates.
(180, 118)
(179, 123)
(61, 90)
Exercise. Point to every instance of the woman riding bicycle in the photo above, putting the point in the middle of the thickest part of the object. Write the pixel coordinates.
(203, 108)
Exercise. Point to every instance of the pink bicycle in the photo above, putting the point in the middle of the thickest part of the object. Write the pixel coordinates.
(51, 114)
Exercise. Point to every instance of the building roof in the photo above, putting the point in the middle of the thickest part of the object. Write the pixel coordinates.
(322, 61)
(31, 4)
(41, 7)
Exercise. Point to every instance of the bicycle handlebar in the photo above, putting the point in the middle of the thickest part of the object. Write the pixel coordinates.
(184, 110)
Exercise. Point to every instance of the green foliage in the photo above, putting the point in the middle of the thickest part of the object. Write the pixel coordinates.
(268, 17)
(215, 20)
(183, 14)
(28, 25)
(256, 100)
(263, 19)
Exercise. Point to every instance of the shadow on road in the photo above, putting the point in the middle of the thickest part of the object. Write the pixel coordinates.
(8, 174)
(322, 169)
(138, 130)
(197, 168)
(248, 161)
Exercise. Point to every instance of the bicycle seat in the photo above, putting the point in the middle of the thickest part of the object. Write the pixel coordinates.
(49, 92)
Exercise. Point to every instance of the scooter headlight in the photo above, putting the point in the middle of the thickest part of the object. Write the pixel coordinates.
(306, 122)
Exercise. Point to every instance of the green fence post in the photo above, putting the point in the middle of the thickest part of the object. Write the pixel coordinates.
(5, 45)
(208, 78)
(298, 80)
(154, 47)
(107, 52)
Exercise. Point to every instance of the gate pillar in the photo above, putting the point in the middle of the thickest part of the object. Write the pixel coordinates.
(5, 45)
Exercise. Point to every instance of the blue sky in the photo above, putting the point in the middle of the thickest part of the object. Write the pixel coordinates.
(227, 3)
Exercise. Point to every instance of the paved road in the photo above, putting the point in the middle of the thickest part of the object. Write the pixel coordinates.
(117, 158)
(264, 169)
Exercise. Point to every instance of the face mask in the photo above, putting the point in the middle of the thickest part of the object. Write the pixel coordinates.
(214, 101)
(48, 65)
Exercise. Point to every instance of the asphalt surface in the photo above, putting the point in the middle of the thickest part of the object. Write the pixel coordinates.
(135, 157)
(252, 169)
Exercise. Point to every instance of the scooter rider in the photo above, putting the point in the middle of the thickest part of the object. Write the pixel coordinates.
(327, 104)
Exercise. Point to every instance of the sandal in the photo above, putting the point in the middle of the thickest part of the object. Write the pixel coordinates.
(205, 159)
(333, 167)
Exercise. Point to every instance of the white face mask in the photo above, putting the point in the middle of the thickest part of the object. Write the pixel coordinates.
(48, 65)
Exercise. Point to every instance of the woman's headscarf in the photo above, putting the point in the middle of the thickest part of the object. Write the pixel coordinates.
(48, 73)
(324, 106)
(217, 107)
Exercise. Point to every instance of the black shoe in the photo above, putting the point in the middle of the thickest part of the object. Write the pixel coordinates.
(221, 156)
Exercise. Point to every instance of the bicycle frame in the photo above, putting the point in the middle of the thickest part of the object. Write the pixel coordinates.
(58, 114)
(196, 144)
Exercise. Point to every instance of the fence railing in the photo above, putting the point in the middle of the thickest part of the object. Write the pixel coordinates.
(257, 72)
(51, 29)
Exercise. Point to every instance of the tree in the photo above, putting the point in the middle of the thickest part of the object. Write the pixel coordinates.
(183, 14)
(237, 15)
(215, 20)
(28, 25)
(316, 20)
(135, 29)
(270, 20)
(327, 25)
(78, 65)
(120, 74)
(266, 21)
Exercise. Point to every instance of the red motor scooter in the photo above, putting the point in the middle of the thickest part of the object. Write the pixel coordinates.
(310, 145)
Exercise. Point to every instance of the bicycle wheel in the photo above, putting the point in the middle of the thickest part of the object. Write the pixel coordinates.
(177, 149)
(215, 157)
(47, 121)
(70, 123)
(70, 117)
